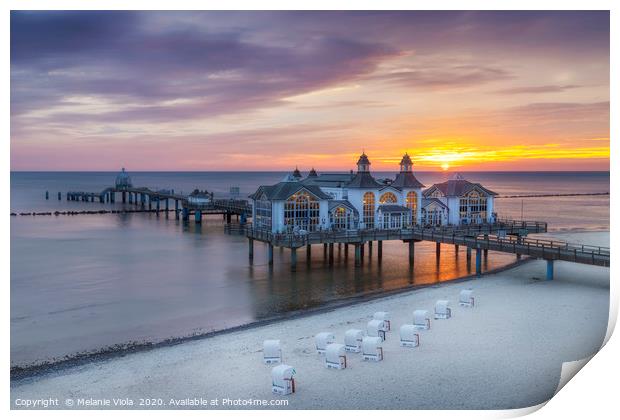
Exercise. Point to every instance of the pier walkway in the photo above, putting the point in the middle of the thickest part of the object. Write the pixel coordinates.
(502, 236)
(183, 206)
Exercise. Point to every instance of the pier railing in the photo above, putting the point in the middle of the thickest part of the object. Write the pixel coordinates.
(438, 233)
(501, 236)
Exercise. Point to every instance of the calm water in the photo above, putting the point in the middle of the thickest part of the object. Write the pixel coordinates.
(80, 283)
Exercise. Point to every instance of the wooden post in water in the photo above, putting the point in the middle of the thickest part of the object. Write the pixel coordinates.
(346, 251)
(358, 255)
(47, 195)
(411, 252)
(251, 249)
(438, 249)
(379, 251)
(59, 196)
(176, 209)
(331, 254)
(270, 253)
(293, 259)
(308, 253)
(197, 216)
(369, 249)
(478, 262)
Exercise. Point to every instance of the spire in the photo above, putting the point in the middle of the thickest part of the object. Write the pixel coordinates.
(363, 164)
(296, 173)
(406, 165)
(312, 173)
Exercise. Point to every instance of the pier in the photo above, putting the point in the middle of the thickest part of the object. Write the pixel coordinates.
(505, 236)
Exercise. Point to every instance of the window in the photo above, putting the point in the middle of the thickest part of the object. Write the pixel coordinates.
(341, 218)
(369, 210)
(301, 210)
(263, 213)
(412, 203)
(473, 206)
(388, 197)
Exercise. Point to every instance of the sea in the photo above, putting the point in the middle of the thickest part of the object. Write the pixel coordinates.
(96, 282)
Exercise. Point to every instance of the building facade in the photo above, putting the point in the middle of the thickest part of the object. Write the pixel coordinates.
(356, 200)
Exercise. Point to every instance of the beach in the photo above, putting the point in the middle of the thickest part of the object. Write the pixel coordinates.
(507, 352)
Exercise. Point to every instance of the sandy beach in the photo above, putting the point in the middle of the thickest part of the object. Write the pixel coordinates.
(507, 352)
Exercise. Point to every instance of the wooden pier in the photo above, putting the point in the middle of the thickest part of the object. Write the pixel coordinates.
(159, 202)
(503, 236)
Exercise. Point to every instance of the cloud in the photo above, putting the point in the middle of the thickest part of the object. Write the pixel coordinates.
(537, 89)
(455, 76)
(145, 71)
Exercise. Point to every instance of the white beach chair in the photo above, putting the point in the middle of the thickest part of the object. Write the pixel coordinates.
(353, 340)
(372, 349)
(322, 340)
(272, 352)
(421, 319)
(376, 328)
(466, 298)
(282, 381)
(442, 309)
(335, 356)
(385, 317)
(409, 336)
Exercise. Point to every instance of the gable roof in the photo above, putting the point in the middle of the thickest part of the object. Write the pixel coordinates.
(338, 203)
(283, 190)
(406, 180)
(363, 180)
(457, 188)
(427, 201)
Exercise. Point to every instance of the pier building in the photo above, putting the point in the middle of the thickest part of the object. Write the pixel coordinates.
(350, 201)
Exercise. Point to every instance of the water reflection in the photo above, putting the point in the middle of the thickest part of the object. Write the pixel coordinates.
(115, 278)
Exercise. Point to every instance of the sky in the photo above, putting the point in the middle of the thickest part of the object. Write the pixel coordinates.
(201, 91)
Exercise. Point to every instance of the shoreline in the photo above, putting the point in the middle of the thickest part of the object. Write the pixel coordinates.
(20, 372)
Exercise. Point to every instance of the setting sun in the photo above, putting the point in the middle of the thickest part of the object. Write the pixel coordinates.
(445, 166)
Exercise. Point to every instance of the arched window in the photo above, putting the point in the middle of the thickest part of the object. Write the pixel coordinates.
(341, 218)
(388, 197)
(369, 210)
(412, 203)
(302, 210)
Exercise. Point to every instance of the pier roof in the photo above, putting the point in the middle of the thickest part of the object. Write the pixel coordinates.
(406, 180)
(392, 208)
(283, 190)
(329, 180)
(457, 187)
(428, 201)
(364, 180)
(338, 203)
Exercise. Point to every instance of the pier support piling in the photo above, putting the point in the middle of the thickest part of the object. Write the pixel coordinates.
(478, 262)
(346, 251)
(185, 214)
(308, 253)
(369, 249)
(270, 253)
(324, 251)
(549, 269)
(456, 249)
(197, 216)
(438, 249)
(59, 196)
(47, 195)
(251, 249)
(293, 259)
(331, 254)
(411, 253)
(228, 217)
(176, 209)
(358, 255)
(379, 251)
